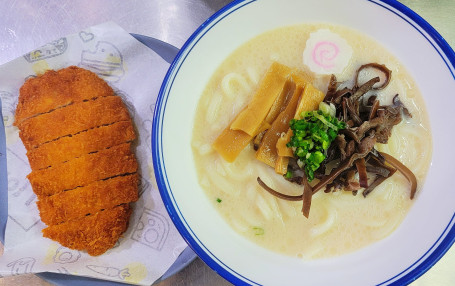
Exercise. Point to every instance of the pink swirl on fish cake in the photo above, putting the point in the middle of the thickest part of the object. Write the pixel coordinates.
(324, 53)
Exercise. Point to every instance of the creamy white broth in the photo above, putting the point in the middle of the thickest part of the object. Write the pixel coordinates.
(339, 222)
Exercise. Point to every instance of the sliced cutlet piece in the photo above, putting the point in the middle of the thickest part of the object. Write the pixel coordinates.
(55, 89)
(95, 233)
(69, 147)
(90, 199)
(71, 120)
(81, 171)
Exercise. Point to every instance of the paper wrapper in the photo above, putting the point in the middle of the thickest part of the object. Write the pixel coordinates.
(151, 244)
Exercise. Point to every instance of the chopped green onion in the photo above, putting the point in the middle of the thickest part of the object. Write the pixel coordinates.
(325, 121)
(218, 200)
(327, 108)
(288, 174)
(312, 136)
(258, 230)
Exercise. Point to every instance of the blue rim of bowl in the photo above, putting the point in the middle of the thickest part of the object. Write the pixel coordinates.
(414, 271)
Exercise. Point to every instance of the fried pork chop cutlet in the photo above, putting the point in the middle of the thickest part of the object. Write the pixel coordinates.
(78, 137)
(71, 120)
(95, 233)
(90, 199)
(81, 171)
(85, 142)
(55, 89)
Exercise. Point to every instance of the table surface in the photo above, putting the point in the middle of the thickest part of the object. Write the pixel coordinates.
(27, 24)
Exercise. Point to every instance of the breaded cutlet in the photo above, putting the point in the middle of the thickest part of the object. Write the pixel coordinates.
(95, 233)
(81, 171)
(55, 89)
(78, 137)
(69, 147)
(71, 120)
(90, 199)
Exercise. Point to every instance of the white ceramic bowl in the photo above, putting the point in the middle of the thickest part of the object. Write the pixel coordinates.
(428, 230)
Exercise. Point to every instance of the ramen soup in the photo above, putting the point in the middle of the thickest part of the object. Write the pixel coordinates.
(339, 222)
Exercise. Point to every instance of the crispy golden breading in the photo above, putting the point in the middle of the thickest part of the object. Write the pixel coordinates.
(95, 233)
(78, 137)
(83, 170)
(90, 199)
(55, 89)
(92, 140)
(71, 120)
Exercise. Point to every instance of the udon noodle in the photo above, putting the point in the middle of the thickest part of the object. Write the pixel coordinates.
(339, 222)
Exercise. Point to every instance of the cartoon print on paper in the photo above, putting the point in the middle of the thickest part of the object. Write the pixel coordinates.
(25, 163)
(30, 200)
(147, 126)
(110, 271)
(63, 270)
(151, 230)
(86, 37)
(26, 226)
(65, 255)
(49, 50)
(29, 77)
(9, 102)
(144, 185)
(22, 266)
(127, 100)
(20, 193)
(117, 243)
(106, 61)
(19, 188)
(13, 184)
